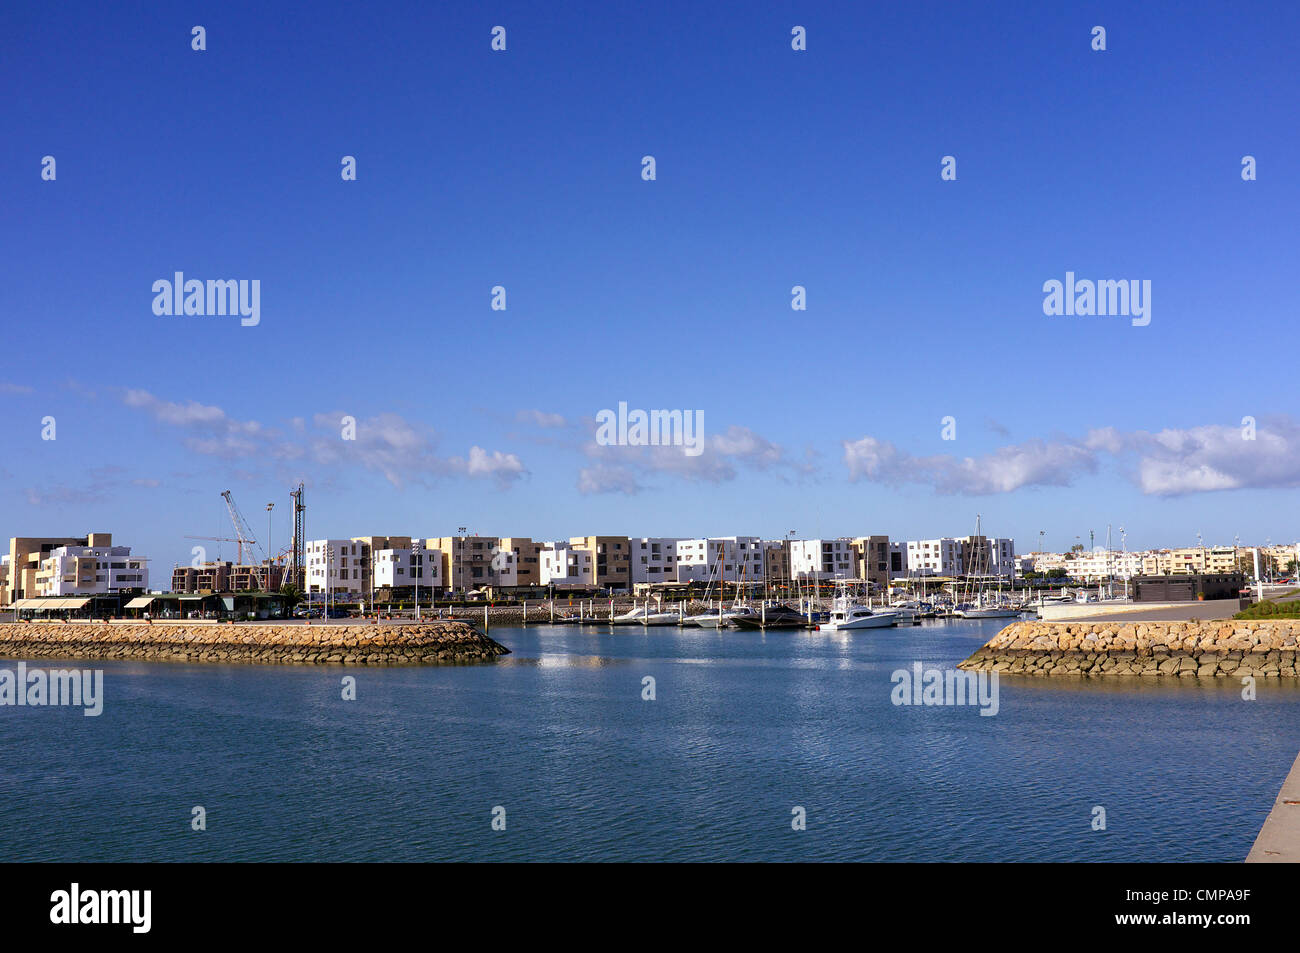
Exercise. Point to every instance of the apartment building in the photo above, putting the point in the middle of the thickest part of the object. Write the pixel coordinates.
(90, 570)
(26, 554)
(653, 559)
(611, 559)
(227, 577)
(1099, 565)
(473, 562)
(988, 556)
(527, 559)
(871, 559)
(935, 557)
(897, 559)
(407, 567)
(337, 565)
(721, 558)
(776, 562)
(1046, 562)
(817, 559)
(1195, 559)
(564, 564)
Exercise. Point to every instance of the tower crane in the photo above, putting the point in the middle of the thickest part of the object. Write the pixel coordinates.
(244, 534)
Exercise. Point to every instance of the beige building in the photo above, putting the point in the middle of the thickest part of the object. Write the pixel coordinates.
(26, 553)
(776, 562)
(227, 577)
(871, 559)
(472, 562)
(610, 559)
(1194, 559)
(528, 559)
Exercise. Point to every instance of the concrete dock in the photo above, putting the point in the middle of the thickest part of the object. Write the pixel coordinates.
(1279, 839)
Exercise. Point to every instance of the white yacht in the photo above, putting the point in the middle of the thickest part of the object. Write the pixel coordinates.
(987, 612)
(634, 616)
(859, 617)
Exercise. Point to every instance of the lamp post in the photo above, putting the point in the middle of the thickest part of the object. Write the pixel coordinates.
(269, 537)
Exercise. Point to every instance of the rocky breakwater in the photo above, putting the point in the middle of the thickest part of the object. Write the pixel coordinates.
(1204, 649)
(425, 643)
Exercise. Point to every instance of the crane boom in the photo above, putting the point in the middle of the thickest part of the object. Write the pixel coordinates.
(242, 530)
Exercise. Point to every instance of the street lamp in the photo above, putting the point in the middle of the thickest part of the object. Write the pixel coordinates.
(269, 537)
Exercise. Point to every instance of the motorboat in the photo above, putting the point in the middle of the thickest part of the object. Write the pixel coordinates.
(771, 617)
(714, 620)
(849, 617)
(635, 616)
(660, 618)
(905, 613)
(986, 612)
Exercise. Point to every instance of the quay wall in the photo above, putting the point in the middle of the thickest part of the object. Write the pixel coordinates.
(1193, 649)
(425, 643)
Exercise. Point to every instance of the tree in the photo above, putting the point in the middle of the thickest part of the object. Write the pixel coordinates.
(291, 595)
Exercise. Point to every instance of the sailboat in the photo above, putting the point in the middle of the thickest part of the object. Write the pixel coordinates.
(981, 609)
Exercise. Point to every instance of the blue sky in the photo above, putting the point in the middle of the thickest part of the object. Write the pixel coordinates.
(775, 168)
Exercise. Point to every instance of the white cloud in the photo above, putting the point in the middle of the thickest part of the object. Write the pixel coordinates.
(1169, 462)
(387, 443)
(627, 469)
(1032, 463)
(540, 418)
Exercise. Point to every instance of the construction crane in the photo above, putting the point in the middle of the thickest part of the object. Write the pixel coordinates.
(244, 534)
(299, 508)
(215, 539)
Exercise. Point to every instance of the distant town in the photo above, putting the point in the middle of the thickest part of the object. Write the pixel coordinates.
(390, 568)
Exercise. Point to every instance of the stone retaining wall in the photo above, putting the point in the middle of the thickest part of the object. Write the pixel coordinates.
(427, 643)
(1205, 649)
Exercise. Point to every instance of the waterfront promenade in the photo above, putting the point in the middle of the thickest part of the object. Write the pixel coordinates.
(1279, 839)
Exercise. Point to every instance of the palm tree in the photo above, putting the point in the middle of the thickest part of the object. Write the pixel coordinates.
(291, 595)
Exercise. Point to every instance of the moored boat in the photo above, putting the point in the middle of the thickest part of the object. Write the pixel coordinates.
(771, 617)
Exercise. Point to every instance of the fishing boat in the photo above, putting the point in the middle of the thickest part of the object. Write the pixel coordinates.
(847, 617)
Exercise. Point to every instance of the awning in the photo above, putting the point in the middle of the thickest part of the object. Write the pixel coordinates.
(66, 602)
(76, 602)
(139, 602)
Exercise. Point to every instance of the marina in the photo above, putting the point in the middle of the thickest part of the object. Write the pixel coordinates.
(744, 725)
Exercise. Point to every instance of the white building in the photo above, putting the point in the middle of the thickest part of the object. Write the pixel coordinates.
(720, 558)
(564, 564)
(814, 559)
(402, 568)
(346, 561)
(934, 557)
(653, 559)
(1103, 565)
(87, 570)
